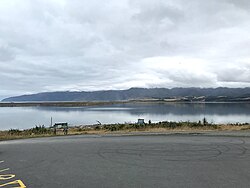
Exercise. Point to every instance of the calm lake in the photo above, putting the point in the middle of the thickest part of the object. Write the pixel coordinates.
(28, 117)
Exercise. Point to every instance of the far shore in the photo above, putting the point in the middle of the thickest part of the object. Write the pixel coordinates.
(101, 103)
(57, 104)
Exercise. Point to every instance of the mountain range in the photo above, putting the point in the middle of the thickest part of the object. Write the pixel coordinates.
(220, 94)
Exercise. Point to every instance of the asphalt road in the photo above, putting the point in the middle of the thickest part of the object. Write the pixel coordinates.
(127, 161)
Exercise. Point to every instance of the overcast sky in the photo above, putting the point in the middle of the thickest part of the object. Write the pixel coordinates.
(55, 45)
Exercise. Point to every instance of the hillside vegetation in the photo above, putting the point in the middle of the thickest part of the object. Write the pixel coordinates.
(168, 95)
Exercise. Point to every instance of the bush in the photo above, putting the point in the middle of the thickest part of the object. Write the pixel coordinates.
(14, 132)
(40, 130)
(97, 127)
(204, 120)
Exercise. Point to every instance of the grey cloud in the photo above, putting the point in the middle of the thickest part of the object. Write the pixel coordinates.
(244, 4)
(235, 74)
(6, 54)
(157, 13)
(91, 45)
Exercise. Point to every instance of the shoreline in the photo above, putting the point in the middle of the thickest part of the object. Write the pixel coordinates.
(161, 128)
(101, 103)
(57, 104)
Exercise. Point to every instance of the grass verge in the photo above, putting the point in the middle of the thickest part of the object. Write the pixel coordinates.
(160, 127)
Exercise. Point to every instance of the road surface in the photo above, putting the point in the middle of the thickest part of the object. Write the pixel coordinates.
(126, 161)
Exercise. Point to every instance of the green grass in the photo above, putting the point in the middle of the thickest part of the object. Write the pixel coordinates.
(42, 131)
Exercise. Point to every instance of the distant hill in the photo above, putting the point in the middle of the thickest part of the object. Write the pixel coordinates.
(176, 94)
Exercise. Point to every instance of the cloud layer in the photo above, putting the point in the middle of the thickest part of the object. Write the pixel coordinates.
(51, 45)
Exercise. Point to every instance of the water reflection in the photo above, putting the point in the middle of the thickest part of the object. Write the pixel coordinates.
(18, 117)
(173, 108)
